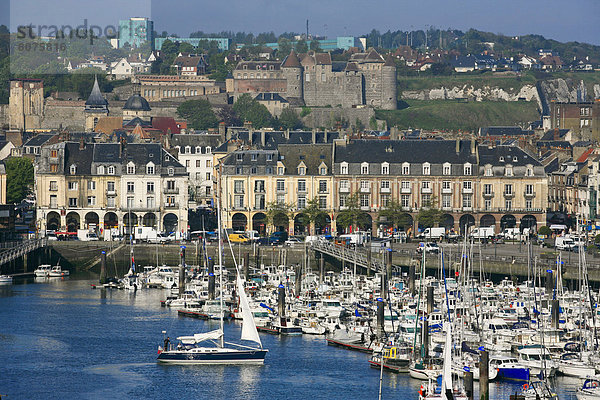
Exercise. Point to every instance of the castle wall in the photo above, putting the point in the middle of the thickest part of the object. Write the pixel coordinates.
(326, 117)
(333, 89)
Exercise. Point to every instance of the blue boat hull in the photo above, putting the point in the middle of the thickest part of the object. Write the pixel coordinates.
(513, 374)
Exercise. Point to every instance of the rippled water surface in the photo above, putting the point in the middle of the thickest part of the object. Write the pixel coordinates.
(62, 339)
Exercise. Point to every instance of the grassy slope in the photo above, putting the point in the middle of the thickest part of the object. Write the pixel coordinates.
(453, 115)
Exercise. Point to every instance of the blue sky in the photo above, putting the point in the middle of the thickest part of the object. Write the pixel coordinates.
(557, 19)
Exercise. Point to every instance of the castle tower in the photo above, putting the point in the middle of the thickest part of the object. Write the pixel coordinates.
(26, 104)
(389, 85)
(292, 72)
(96, 106)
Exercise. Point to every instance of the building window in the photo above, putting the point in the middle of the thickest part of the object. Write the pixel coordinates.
(130, 187)
(528, 204)
(509, 171)
(238, 201)
(385, 184)
(405, 185)
(344, 168)
(53, 201)
(508, 189)
(301, 202)
(344, 184)
(53, 186)
(238, 186)
(280, 185)
(253, 170)
(91, 200)
(343, 200)
(259, 186)
(426, 185)
(110, 186)
(73, 169)
(468, 185)
(239, 170)
(150, 187)
(281, 199)
(322, 186)
(111, 170)
(280, 170)
(508, 204)
(488, 171)
(447, 169)
(322, 202)
(100, 170)
(269, 157)
(529, 171)
(385, 200)
(426, 200)
(446, 201)
(150, 170)
(364, 168)
(529, 189)
(426, 169)
(467, 201)
(406, 169)
(302, 185)
(467, 169)
(72, 201)
(405, 200)
(323, 171)
(72, 185)
(487, 188)
(446, 185)
(365, 185)
(54, 153)
(385, 169)
(130, 169)
(150, 203)
(91, 185)
(301, 171)
(253, 156)
(365, 200)
(487, 204)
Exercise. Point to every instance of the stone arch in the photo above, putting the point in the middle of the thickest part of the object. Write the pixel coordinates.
(130, 220)
(301, 224)
(92, 221)
(53, 221)
(149, 219)
(466, 221)
(447, 221)
(73, 222)
(111, 220)
(239, 222)
(281, 222)
(529, 221)
(323, 224)
(508, 221)
(259, 223)
(365, 222)
(487, 220)
(170, 222)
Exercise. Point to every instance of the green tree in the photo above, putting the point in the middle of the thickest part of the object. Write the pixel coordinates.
(544, 230)
(395, 215)
(285, 47)
(429, 214)
(315, 46)
(278, 214)
(251, 110)
(289, 119)
(199, 114)
(313, 215)
(352, 215)
(19, 179)
(301, 46)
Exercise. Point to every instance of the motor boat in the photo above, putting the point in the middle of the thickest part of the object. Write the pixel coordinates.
(58, 272)
(6, 280)
(43, 270)
(590, 390)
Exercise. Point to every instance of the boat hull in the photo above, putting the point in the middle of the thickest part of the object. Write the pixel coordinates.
(217, 357)
(513, 374)
(424, 374)
(350, 345)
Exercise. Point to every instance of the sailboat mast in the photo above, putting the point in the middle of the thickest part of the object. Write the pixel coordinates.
(220, 249)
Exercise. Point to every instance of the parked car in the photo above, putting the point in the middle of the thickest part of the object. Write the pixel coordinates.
(292, 241)
(430, 248)
(238, 238)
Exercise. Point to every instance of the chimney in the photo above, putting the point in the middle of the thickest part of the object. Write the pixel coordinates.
(81, 144)
(263, 138)
(325, 133)
(314, 136)
(222, 130)
(556, 134)
(287, 134)
(473, 146)
(457, 146)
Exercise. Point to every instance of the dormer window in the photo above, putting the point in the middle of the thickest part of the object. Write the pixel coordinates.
(385, 168)
(73, 169)
(426, 169)
(130, 168)
(447, 169)
(171, 171)
(111, 169)
(239, 156)
(501, 159)
(150, 169)
(188, 149)
(344, 168)
(208, 150)
(509, 170)
(364, 168)
(405, 168)
(529, 171)
(488, 170)
(269, 156)
(198, 150)
(467, 169)
(301, 170)
(322, 169)
(514, 159)
(254, 156)
(100, 170)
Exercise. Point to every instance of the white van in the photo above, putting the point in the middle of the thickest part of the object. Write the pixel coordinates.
(564, 243)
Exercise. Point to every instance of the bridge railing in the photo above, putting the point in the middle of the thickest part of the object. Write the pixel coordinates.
(19, 249)
(355, 255)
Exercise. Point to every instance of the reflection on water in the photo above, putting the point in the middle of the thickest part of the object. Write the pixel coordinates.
(105, 342)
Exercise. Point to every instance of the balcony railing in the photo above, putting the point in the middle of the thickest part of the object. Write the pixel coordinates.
(171, 205)
(447, 190)
(488, 195)
(112, 192)
(365, 189)
(345, 189)
(53, 189)
(405, 190)
(529, 194)
(426, 190)
(467, 190)
(174, 190)
(385, 190)
(509, 194)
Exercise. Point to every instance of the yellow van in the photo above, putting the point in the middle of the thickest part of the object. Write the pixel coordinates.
(238, 238)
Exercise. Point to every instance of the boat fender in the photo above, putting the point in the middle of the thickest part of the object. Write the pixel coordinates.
(525, 386)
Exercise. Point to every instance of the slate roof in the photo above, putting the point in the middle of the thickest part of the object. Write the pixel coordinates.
(504, 131)
(188, 61)
(550, 134)
(193, 140)
(291, 61)
(400, 151)
(270, 97)
(262, 65)
(96, 100)
(275, 138)
(137, 103)
(512, 155)
(39, 139)
(291, 155)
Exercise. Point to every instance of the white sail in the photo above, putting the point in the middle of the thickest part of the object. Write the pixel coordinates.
(447, 371)
(249, 331)
(201, 337)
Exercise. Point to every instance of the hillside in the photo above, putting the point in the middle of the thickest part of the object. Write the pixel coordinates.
(455, 115)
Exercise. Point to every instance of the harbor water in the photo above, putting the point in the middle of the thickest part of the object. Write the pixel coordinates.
(61, 339)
